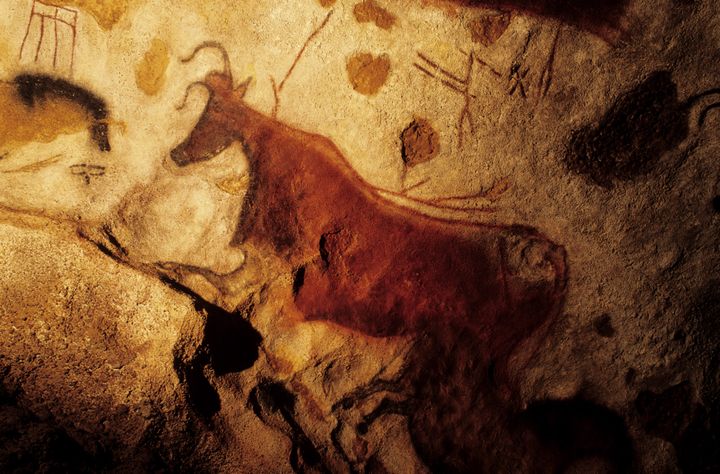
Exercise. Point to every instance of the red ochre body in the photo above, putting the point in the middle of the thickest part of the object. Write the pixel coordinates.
(368, 264)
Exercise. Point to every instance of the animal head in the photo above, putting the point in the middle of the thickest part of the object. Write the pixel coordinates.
(75, 146)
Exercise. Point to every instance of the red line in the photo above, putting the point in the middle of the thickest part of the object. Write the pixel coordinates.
(277, 99)
(453, 87)
(53, 6)
(483, 63)
(443, 81)
(54, 19)
(416, 185)
(55, 24)
(547, 75)
(427, 60)
(304, 47)
(42, 34)
(441, 69)
(424, 70)
(72, 54)
(27, 32)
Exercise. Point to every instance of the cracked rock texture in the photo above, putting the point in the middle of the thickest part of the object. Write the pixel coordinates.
(360, 236)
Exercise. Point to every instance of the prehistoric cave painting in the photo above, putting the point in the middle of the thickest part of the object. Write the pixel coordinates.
(275, 405)
(420, 142)
(600, 17)
(44, 107)
(105, 12)
(546, 75)
(465, 424)
(150, 71)
(518, 81)
(459, 85)
(363, 263)
(368, 11)
(45, 20)
(368, 73)
(488, 28)
(87, 172)
(642, 125)
(277, 88)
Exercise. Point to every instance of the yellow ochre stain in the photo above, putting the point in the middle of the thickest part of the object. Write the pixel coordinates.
(150, 70)
(235, 185)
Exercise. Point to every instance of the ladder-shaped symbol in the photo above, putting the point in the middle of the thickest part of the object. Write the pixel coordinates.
(58, 17)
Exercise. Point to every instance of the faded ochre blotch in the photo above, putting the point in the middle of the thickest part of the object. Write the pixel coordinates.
(235, 185)
(150, 70)
(368, 73)
(369, 11)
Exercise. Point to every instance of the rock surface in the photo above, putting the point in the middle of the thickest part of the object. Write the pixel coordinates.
(360, 236)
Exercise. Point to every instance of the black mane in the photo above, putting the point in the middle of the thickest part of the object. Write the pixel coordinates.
(34, 87)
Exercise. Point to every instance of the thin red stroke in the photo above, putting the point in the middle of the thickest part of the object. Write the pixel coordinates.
(55, 19)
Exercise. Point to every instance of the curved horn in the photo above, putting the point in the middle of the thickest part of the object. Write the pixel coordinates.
(705, 108)
(704, 113)
(187, 93)
(212, 45)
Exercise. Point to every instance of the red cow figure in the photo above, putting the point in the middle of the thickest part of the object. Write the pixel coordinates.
(367, 264)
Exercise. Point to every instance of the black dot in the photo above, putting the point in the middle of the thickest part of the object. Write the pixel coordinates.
(603, 326)
(716, 204)
(679, 335)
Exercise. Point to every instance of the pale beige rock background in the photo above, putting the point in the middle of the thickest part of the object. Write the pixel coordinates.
(90, 346)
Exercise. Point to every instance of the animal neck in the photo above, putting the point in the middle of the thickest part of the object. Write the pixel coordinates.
(226, 118)
(247, 125)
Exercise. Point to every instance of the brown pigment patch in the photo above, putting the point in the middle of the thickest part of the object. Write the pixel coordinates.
(367, 73)
(369, 11)
(150, 70)
(327, 3)
(487, 29)
(420, 142)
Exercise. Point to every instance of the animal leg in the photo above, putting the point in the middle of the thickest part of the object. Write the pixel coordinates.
(228, 289)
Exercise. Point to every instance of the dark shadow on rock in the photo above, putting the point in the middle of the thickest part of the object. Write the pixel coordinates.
(29, 444)
(569, 431)
(230, 344)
